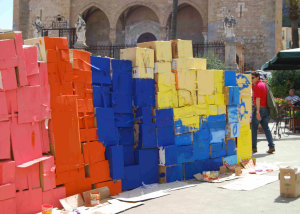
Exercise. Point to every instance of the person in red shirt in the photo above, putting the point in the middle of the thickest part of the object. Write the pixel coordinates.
(260, 112)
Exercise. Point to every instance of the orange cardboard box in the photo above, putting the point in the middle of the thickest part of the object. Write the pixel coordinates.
(97, 172)
(69, 176)
(93, 152)
(87, 135)
(81, 59)
(115, 187)
(85, 105)
(87, 121)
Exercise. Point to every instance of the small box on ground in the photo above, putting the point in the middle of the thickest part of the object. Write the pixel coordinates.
(289, 182)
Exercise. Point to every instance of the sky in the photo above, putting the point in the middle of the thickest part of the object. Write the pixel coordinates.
(6, 14)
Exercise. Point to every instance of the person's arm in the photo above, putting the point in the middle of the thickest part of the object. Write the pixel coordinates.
(258, 117)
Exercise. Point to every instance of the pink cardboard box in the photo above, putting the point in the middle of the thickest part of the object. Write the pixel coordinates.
(30, 57)
(45, 111)
(26, 141)
(29, 201)
(8, 55)
(7, 172)
(8, 206)
(3, 107)
(7, 191)
(27, 178)
(11, 100)
(29, 104)
(45, 136)
(5, 140)
(53, 196)
(43, 73)
(47, 174)
(8, 79)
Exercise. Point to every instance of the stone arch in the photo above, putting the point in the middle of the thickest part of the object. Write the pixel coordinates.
(202, 10)
(123, 8)
(146, 37)
(191, 25)
(134, 21)
(97, 26)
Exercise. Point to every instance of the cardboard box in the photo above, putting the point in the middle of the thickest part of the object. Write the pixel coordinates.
(115, 156)
(169, 174)
(8, 56)
(27, 178)
(182, 48)
(143, 72)
(103, 192)
(47, 174)
(140, 57)
(30, 57)
(185, 64)
(168, 99)
(115, 187)
(168, 155)
(53, 196)
(29, 201)
(206, 82)
(5, 145)
(93, 152)
(8, 206)
(162, 50)
(289, 182)
(7, 191)
(7, 172)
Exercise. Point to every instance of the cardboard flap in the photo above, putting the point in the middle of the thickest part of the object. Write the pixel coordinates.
(72, 202)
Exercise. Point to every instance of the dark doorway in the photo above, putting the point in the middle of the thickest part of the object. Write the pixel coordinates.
(146, 37)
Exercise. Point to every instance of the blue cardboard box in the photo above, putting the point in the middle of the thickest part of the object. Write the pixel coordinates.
(217, 121)
(234, 130)
(147, 136)
(126, 136)
(230, 78)
(181, 129)
(231, 160)
(184, 139)
(218, 135)
(201, 146)
(185, 154)
(217, 150)
(144, 92)
(213, 164)
(122, 82)
(100, 70)
(128, 155)
(164, 117)
(165, 136)
(132, 177)
(190, 169)
(144, 114)
(107, 130)
(168, 174)
(124, 120)
(230, 147)
(233, 114)
(122, 103)
(124, 66)
(148, 161)
(102, 96)
(114, 154)
(168, 155)
(234, 95)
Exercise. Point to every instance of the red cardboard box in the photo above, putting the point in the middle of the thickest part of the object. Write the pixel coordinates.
(11, 100)
(7, 172)
(28, 178)
(44, 125)
(26, 141)
(8, 206)
(7, 191)
(8, 80)
(93, 152)
(3, 107)
(8, 55)
(5, 140)
(47, 174)
(29, 201)
(53, 196)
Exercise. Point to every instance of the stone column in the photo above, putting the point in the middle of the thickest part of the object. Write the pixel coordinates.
(163, 33)
(113, 35)
(230, 55)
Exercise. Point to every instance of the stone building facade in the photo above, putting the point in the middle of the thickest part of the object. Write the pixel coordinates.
(109, 22)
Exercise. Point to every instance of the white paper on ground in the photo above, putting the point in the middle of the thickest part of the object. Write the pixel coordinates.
(250, 182)
(148, 192)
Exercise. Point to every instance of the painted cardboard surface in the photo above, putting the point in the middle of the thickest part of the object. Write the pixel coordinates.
(230, 78)
(124, 120)
(128, 155)
(28, 178)
(8, 79)
(7, 191)
(201, 141)
(185, 64)
(3, 107)
(185, 154)
(140, 57)
(115, 187)
(165, 82)
(93, 152)
(162, 50)
(182, 48)
(7, 172)
(230, 147)
(11, 100)
(100, 70)
(144, 92)
(122, 82)
(30, 57)
(47, 174)
(168, 99)
(244, 143)
(121, 65)
(26, 141)
(206, 82)
(5, 152)
(45, 138)
(168, 155)
(132, 177)
(121, 103)
(233, 114)
(184, 139)
(165, 136)
(67, 146)
(115, 157)
(53, 196)
(148, 137)
(29, 104)
(8, 206)
(99, 172)
(8, 56)
(126, 136)
(143, 73)
(231, 160)
(29, 201)
(106, 125)
(164, 117)
(80, 59)
(168, 174)
(102, 96)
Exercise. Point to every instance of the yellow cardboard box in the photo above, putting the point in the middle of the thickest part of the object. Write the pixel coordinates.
(142, 72)
(140, 57)
(205, 82)
(219, 76)
(165, 82)
(185, 64)
(243, 79)
(219, 88)
(201, 109)
(219, 99)
(186, 97)
(162, 50)
(213, 109)
(162, 67)
(244, 143)
(210, 99)
(201, 99)
(167, 99)
(182, 48)
(221, 109)
(246, 90)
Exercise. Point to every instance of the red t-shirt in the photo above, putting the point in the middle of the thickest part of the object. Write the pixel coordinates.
(260, 90)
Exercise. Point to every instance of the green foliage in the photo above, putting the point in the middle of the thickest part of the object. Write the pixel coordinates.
(213, 62)
(282, 81)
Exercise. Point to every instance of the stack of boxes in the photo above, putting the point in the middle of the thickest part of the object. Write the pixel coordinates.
(79, 156)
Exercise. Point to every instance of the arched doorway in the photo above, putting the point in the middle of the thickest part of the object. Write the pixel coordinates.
(146, 37)
(189, 24)
(136, 21)
(97, 27)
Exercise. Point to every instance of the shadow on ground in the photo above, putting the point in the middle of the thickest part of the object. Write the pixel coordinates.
(284, 200)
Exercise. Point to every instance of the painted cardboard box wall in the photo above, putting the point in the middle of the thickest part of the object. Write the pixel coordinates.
(7, 172)
(182, 48)
(162, 50)
(140, 57)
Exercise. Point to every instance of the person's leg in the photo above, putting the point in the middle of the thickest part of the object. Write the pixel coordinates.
(264, 113)
(254, 126)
